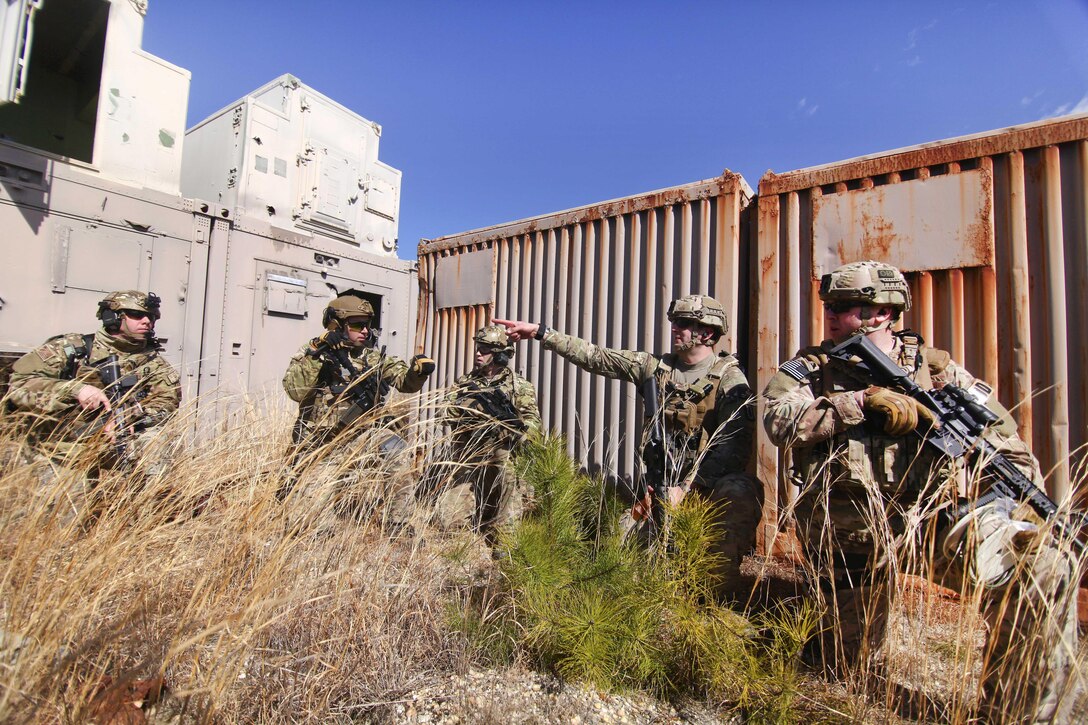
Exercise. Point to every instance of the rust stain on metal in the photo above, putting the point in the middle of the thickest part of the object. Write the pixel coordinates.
(766, 264)
(840, 250)
(941, 152)
(877, 237)
(727, 183)
(980, 233)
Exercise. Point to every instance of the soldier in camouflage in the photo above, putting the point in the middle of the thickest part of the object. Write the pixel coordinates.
(871, 492)
(708, 415)
(58, 388)
(341, 383)
(326, 372)
(489, 411)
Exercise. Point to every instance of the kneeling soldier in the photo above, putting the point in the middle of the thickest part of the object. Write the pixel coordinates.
(340, 381)
(95, 402)
(489, 411)
(878, 498)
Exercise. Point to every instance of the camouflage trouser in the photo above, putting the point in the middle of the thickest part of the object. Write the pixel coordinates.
(738, 499)
(71, 473)
(738, 506)
(484, 495)
(1027, 591)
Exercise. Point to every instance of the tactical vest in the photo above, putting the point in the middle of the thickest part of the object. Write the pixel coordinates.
(685, 406)
(864, 455)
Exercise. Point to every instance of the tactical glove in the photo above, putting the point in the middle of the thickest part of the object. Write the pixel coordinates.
(331, 340)
(422, 365)
(901, 413)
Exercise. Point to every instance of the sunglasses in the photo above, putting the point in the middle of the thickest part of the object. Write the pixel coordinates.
(134, 314)
(840, 307)
(357, 325)
(684, 323)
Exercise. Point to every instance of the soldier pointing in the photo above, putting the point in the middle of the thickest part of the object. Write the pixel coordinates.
(708, 419)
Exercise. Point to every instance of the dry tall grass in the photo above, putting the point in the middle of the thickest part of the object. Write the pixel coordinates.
(251, 609)
(320, 608)
(926, 647)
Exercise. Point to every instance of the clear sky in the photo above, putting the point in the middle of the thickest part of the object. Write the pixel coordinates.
(496, 111)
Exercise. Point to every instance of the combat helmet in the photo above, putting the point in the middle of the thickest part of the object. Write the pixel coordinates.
(344, 307)
(869, 283)
(495, 337)
(703, 309)
(114, 303)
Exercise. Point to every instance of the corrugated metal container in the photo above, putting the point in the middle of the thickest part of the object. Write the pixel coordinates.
(992, 230)
(605, 272)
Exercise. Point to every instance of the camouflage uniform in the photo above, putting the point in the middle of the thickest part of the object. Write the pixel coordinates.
(44, 391)
(866, 494)
(309, 380)
(708, 409)
(482, 487)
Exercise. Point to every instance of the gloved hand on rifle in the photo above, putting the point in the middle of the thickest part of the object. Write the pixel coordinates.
(901, 413)
(422, 365)
(331, 340)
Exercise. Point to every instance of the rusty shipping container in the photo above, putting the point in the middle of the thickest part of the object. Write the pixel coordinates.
(992, 231)
(605, 272)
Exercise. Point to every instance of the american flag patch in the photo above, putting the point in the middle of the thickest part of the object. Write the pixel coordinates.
(795, 368)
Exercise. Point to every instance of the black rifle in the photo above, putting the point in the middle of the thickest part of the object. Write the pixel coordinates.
(119, 389)
(497, 406)
(653, 452)
(963, 420)
(365, 388)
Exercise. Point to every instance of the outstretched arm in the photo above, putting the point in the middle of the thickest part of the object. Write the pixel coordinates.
(518, 330)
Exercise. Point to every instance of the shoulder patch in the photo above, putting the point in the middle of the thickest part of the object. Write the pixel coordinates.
(795, 368)
(45, 352)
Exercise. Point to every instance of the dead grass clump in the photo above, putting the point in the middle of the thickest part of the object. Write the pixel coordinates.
(252, 610)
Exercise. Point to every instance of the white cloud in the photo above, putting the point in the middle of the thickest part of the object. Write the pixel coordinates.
(806, 109)
(912, 36)
(916, 60)
(1028, 100)
(1080, 106)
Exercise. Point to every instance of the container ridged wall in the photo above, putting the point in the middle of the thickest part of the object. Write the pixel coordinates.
(1018, 322)
(606, 273)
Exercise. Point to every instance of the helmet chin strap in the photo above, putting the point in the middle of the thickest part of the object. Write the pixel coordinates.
(697, 339)
(885, 325)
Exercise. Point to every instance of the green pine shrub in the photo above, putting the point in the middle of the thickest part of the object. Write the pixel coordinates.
(594, 606)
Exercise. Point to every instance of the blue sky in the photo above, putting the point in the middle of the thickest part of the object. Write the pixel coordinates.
(495, 111)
